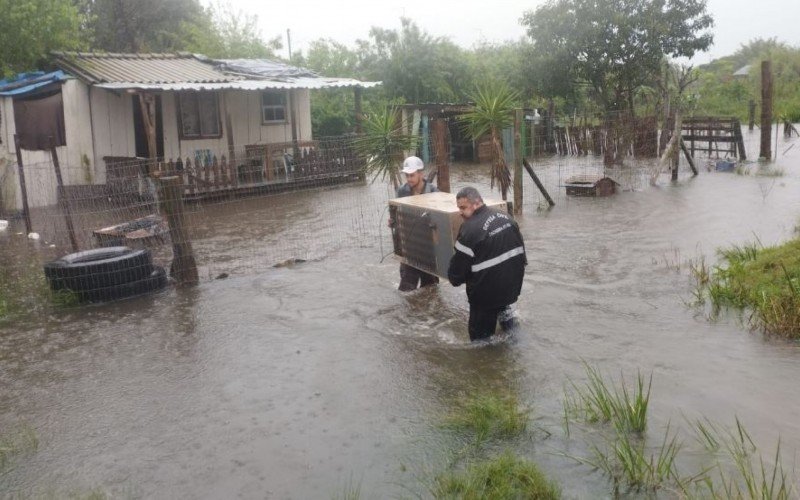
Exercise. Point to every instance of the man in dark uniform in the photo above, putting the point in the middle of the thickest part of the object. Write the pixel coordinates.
(411, 277)
(490, 258)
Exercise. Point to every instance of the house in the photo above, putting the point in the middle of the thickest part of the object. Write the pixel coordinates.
(116, 108)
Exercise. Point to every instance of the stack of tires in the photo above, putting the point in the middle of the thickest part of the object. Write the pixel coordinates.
(104, 274)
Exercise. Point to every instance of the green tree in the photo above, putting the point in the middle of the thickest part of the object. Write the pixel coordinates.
(493, 109)
(384, 141)
(30, 29)
(412, 64)
(141, 25)
(222, 32)
(614, 47)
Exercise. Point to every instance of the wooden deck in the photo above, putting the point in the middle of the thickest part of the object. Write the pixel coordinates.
(262, 169)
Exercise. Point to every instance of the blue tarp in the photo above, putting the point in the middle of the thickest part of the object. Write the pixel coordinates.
(25, 83)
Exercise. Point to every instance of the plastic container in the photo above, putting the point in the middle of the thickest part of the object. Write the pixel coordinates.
(725, 166)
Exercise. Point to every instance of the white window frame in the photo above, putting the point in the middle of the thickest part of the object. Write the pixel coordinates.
(272, 107)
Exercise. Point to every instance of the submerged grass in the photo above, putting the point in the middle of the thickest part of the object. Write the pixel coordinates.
(24, 291)
(505, 476)
(19, 440)
(742, 472)
(632, 467)
(488, 416)
(762, 280)
(600, 401)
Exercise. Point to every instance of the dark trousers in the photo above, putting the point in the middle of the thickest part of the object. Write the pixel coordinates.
(411, 278)
(483, 321)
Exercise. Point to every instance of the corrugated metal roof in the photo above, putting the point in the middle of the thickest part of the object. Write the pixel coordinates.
(25, 83)
(288, 83)
(263, 68)
(98, 68)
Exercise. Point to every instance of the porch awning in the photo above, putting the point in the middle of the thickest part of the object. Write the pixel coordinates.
(311, 83)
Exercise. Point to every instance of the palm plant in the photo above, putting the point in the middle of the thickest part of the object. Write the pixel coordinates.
(491, 113)
(383, 144)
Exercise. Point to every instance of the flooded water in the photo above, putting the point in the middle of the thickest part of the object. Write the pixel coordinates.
(293, 382)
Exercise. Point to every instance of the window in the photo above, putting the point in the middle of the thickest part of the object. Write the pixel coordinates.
(39, 117)
(273, 107)
(199, 113)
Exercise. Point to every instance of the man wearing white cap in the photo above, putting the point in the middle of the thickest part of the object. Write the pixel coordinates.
(411, 277)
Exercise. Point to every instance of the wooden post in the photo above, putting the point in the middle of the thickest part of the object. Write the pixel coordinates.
(538, 182)
(231, 143)
(751, 109)
(442, 153)
(766, 110)
(357, 105)
(23, 187)
(147, 104)
(688, 158)
(518, 154)
(183, 267)
(737, 134)
(293, 114)
(62, 196)
(548, 134)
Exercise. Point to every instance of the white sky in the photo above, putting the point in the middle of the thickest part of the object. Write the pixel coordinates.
(467, 22)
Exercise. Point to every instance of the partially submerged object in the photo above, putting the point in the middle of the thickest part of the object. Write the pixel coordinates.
(725, 165)
(138, 233)
(426, 227)
(590, 185)
(3, 225)
(104, 274)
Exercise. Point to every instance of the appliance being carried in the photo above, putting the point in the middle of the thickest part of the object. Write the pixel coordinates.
(426, 227)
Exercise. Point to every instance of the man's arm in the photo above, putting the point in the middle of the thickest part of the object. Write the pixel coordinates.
(460, 263)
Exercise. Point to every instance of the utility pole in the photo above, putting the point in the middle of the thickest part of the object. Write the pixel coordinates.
(289, 43)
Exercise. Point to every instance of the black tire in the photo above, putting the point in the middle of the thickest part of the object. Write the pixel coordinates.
(98, 268)
(156, 280)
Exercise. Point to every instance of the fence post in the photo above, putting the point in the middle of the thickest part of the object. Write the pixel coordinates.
(184, 266)
(62, 196)
(442, 153)
(538, 183)
(518, 154)
(25, 209)
(766, 110)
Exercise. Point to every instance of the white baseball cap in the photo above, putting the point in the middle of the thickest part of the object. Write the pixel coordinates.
(412, 164)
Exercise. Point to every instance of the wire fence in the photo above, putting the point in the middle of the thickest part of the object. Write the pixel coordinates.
(251, 208)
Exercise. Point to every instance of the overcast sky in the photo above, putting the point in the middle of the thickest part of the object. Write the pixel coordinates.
(467, 22)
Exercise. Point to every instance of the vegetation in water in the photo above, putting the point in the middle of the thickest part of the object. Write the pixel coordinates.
(488, 416)
(599, 400)
(16, 441)
(765, 281)
(505, 476)
(736, 469)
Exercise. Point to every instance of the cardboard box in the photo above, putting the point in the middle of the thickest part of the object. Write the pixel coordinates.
(426, 227)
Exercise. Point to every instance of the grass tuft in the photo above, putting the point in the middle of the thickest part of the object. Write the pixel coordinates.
(20, 440)
(503, 477)
(488, 416)
(600, 401)
(762, 280)
(631, 466)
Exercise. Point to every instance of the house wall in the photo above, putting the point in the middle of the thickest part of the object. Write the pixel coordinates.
(111, 127)
(75, 158)
(245, 112)
(99, 123)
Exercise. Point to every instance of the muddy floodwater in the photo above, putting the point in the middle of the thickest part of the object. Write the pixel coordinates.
(295, 381)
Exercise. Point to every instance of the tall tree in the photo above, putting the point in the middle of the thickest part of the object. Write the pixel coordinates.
(141, 25)
(413, 64)
(616, 46)
(221, 31)
(30, 29)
